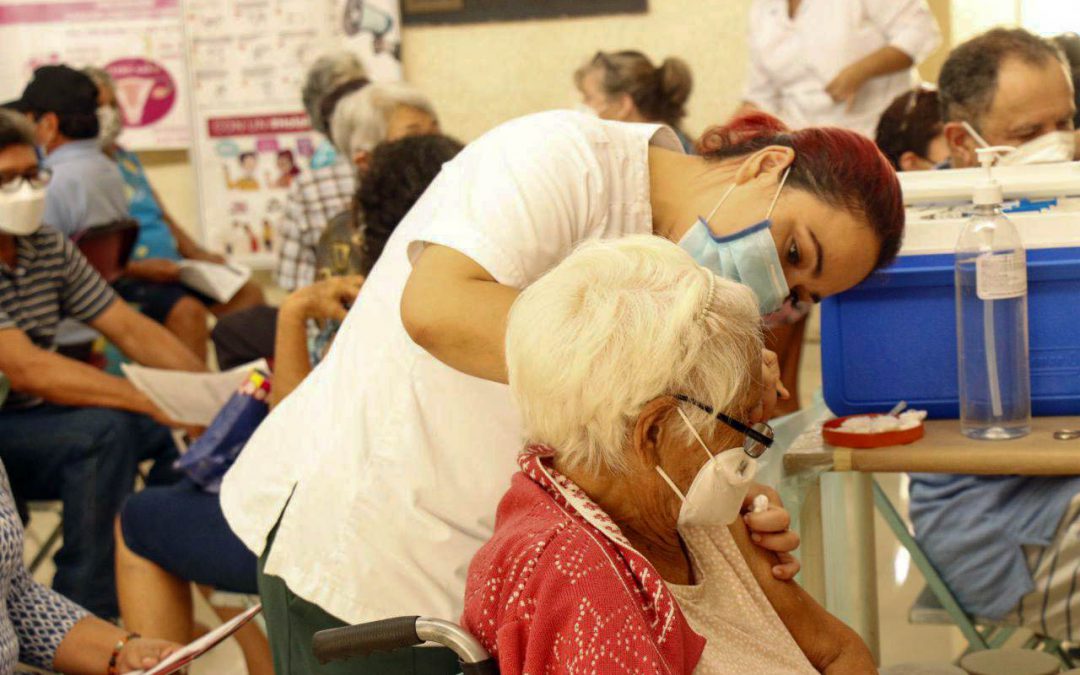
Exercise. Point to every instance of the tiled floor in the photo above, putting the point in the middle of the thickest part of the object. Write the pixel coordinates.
(898, 581)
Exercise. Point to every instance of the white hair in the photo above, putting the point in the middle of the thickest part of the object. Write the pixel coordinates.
(617, 324)
(360, 119)
(328, 71)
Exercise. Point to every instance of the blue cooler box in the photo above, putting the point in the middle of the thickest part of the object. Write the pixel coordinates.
(893, 337)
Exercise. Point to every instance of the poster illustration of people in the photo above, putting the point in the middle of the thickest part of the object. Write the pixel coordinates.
(247, 62)
(139, 43)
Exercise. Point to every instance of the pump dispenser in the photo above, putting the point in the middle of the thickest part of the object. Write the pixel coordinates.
(991, 316)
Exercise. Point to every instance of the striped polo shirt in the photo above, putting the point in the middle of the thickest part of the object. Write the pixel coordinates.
(51, 280)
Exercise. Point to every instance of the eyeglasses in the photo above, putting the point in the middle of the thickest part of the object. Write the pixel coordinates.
(759, 437)
(35, 178)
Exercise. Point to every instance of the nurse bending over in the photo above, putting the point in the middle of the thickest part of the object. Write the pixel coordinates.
(380, 511)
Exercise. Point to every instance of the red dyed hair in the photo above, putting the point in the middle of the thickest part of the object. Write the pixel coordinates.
(838, 166)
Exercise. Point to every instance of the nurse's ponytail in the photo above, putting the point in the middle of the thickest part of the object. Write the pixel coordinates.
(840, 167)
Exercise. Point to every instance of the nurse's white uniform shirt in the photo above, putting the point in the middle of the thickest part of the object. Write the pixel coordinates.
(394, 461)
(793, 60)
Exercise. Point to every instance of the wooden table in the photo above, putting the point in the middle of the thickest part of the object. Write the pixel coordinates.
(837, 525)
(945, 450)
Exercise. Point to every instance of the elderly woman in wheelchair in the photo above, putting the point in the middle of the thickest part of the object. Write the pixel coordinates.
(619, 546)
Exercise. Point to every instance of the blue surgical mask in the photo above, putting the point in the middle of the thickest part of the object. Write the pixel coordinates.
(325, 155)
(748, 257)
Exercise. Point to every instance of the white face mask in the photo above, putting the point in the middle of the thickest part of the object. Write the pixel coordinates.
(110, 126)
(21, 210)
(1056, 146)
(717, 492)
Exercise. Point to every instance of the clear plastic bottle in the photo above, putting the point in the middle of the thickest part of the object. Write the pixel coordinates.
(991, 319)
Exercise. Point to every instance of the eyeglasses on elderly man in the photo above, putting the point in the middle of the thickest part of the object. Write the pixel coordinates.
(623, 525)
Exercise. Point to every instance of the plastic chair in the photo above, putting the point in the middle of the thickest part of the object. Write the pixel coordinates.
(400, 632)
(108, 247)
(936, 604)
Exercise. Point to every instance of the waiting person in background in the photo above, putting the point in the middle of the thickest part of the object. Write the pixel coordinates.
(361, 120)
(633, 368)
(86, 187)
(151, 279)
(1007, 546)
(625, 86)
(911, 134)
(312, 200)
(411, 400)
(1008, 87)
(42, 628)
(71, 432)
(170, 537)
(835, 62)
(1069, 44)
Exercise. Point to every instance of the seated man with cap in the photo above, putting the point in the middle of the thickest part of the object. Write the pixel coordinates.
(88, 190)
(71, 432)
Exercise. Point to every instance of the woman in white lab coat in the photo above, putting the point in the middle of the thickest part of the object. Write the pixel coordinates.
(835, 62)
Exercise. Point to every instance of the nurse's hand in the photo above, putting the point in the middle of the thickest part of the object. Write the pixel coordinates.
(846, 85)
(773, 389)
(769, 530)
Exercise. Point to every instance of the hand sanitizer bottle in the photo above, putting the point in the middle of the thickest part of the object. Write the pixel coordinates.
(991, 317)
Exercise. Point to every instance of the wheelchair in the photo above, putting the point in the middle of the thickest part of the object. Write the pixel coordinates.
(337, 644)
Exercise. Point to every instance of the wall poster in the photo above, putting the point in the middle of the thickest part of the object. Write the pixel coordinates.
(247, 61)
(139, 42)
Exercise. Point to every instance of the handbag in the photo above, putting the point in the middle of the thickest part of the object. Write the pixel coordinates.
(210, 456)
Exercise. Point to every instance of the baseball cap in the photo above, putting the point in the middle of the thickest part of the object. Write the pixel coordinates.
(57, 89)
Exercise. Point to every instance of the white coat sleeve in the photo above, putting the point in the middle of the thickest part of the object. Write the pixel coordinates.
(907, 25)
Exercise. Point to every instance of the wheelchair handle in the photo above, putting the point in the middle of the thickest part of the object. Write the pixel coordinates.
(403, 631)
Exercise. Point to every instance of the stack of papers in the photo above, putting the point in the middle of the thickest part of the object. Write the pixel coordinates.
(220, 282)
(190, 398)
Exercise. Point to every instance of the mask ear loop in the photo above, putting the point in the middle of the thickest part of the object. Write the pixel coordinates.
(671, 483)
(731, 188)
(694, 431)
(780, 189)
(975, 134)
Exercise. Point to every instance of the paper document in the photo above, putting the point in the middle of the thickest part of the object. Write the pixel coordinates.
(204, 644)
(190, 398)
(220, 282)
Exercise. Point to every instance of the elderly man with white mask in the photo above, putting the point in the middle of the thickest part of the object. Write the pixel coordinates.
(1008, 87)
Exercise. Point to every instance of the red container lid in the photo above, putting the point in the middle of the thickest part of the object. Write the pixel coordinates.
(845, 439)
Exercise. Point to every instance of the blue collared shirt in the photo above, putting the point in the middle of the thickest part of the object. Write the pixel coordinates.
(86, 188)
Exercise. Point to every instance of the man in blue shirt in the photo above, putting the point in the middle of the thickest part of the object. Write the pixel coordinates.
(86, 188)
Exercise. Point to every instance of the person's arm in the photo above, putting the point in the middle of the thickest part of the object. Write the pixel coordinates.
(187, 246)
(144, 341)
(58, 379)
(829, 644)
(324, 300)
(158, 270)
(454, 309)
(88, 646)
(911, 34)
(56, 634)
(885, 61)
